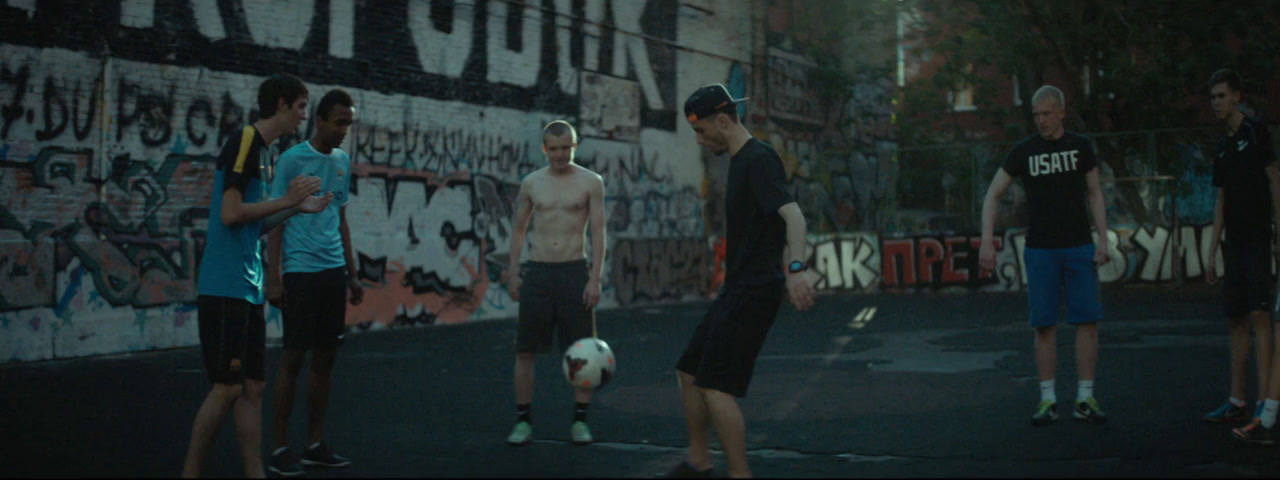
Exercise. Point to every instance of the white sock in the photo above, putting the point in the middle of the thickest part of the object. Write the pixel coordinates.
(1269, 412)
(1047, 391)
(1085, 392)
(1237, 402)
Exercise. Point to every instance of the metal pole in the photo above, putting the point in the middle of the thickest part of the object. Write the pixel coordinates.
(1177, 233)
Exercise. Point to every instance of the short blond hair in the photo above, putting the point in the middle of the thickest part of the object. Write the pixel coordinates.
(558, 128)
(1049, 91)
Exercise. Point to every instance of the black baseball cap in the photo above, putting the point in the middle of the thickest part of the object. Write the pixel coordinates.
(708, 101)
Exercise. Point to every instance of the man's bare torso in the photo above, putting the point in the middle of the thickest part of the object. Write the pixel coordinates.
(560, 208)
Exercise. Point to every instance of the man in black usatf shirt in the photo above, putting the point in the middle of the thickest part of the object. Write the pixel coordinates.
(1248, 185)
(1059, 171)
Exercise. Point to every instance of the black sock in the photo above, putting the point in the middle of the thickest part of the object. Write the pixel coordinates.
(524, 412)
(580, 411)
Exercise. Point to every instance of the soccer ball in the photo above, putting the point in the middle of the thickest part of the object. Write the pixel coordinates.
(588, 363)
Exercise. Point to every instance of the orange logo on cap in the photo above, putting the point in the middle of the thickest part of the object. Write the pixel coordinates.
(693, 118)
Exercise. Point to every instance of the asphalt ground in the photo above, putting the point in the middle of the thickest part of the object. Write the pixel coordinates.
(889, 385)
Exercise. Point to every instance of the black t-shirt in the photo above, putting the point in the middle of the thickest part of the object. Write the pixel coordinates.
(240, 162)
(756, 235)
(1053, 174)
(1239, 170)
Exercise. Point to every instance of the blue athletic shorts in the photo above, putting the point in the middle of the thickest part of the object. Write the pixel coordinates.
(1058, 274)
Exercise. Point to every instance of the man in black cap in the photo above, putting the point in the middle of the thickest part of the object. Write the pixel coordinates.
(765, 251)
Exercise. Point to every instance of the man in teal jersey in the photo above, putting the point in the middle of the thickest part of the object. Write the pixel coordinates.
(319, 268)
(232, 328)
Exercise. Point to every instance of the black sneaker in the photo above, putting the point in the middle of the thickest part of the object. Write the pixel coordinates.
(285, 463)
(1254, 434)
(319, 455)
(684, 470)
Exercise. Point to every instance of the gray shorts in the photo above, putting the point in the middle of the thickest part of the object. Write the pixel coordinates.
(551, 302)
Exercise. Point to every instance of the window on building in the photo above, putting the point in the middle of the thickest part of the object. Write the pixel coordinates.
(1017, 92)
(1084, 79)
(962, 100)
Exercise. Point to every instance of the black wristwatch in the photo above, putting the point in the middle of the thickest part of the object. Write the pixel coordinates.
(797, 267)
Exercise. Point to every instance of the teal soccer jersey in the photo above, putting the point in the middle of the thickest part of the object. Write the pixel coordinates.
(232, 262)
(313, 243)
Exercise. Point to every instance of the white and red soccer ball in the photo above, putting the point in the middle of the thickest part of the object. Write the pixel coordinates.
(588, 363)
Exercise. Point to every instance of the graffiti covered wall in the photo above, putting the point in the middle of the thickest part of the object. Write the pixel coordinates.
(864, 262)
(111, 113)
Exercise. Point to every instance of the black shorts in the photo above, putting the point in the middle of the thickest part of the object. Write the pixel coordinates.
(315, 313)
(233, 339)
(1247, 283)
(722, 353)
(551, 299)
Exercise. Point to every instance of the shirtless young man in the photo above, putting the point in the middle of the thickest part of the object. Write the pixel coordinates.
(557, 289)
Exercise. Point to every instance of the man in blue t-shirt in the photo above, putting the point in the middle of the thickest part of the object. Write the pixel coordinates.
(232, 328)
(1059, 172)
(319, 269)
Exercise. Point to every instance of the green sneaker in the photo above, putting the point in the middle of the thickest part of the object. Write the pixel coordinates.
(579, 433)
(520, 435)
(1045, 413)
(1089, 411)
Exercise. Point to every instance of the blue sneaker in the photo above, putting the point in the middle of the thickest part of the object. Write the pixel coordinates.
(1227, 413)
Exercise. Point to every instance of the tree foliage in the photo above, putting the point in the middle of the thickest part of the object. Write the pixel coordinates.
(849, 43)
(1124, 64)
(1145, 63)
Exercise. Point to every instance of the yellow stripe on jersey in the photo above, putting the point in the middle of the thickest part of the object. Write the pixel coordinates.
(246, 141)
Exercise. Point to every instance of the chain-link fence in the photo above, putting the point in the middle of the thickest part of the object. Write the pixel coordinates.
(1151, 177)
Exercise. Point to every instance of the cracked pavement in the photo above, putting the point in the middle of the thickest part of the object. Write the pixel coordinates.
(888, 385)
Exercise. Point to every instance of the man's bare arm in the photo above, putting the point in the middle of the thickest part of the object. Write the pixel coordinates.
(524, 211)
(796, 243)
(999, 185)
(597, 220)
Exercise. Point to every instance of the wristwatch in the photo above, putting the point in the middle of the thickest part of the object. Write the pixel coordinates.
(797, 267)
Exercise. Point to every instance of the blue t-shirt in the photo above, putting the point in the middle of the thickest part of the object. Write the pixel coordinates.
(313, 242)
(231, 265)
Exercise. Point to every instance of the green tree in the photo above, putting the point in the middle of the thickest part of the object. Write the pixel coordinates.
(1125, 65)
(850, 43)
